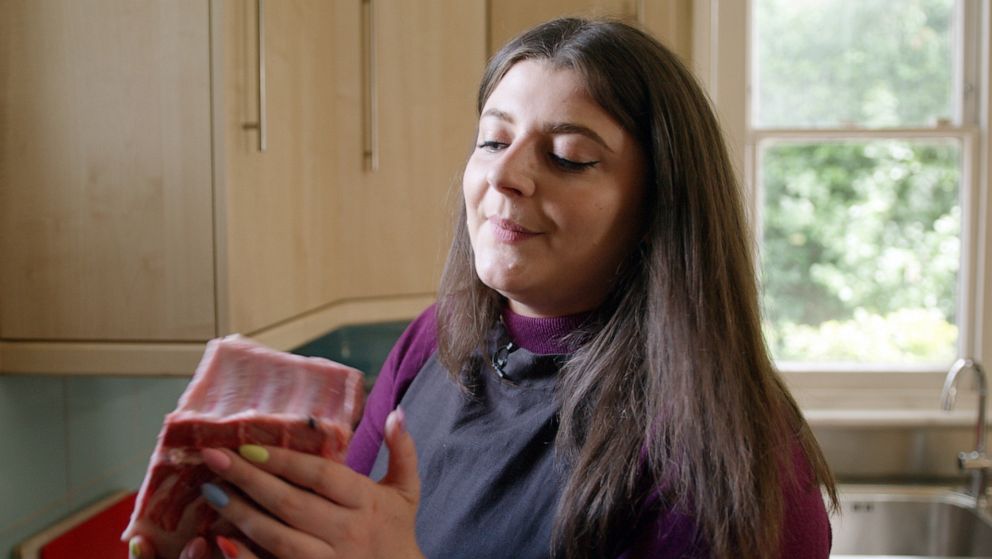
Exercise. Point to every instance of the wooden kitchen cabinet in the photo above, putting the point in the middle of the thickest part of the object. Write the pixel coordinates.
(668, 20)
(429, 58)
(507, 18)
(105, 171)
(276, 251)
(138, 216)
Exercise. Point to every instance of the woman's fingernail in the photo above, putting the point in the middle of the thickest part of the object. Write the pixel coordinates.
(215, 459)
(196, 549)
(398, 419)
(134, 548)
(214, 495)
(227, 547)
(254, 453)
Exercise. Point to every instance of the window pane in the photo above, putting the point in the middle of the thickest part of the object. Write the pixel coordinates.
(869, 63)
(860, 250)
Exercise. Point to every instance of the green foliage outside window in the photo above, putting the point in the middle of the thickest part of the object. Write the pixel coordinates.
(860, 238)
(871, 63)
(860, 250)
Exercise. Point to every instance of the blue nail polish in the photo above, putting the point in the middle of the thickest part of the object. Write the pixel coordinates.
(214, 495)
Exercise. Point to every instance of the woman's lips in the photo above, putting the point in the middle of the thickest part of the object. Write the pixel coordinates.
(508, 231)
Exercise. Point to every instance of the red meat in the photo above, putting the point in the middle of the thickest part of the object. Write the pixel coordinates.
(241, 393)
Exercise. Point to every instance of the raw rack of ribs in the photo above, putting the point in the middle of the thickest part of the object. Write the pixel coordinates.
(241, 393)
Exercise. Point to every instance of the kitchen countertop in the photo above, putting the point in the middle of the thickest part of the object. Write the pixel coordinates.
(889, 418)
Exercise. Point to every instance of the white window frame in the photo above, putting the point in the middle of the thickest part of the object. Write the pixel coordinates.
(841, 393)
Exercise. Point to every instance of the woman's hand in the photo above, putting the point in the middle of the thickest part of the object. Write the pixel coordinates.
(301, 506)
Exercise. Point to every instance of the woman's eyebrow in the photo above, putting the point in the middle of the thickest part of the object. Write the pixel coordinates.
(572, 128)
(555, 127)
(502, 115)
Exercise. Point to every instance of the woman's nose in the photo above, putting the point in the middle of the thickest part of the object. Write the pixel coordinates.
(514, 172)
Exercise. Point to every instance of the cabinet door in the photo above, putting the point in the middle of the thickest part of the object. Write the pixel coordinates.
(668, 20)
(105, 172)
(278, 236)
(427, 58)
(508, 18)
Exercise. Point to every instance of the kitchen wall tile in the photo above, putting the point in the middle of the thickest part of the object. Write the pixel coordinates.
(103, 433)
(364, 347)
(33, 477)
(72, 441)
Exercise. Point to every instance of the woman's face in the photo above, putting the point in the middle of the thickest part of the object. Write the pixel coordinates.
(554, 193)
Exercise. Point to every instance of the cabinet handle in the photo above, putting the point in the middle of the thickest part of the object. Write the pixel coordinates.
(370, 93)
(262, 124)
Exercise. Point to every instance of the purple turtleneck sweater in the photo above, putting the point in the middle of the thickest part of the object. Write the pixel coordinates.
(661, 533)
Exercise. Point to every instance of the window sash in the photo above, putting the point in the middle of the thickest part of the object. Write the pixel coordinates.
(965, 61)
(721, 61)
(968, 138)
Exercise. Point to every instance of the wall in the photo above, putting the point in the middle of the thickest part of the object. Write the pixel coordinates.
(68, 441)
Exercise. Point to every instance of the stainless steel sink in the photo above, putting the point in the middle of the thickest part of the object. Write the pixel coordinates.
(909, 521)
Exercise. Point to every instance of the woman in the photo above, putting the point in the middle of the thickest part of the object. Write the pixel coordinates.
(593, 380)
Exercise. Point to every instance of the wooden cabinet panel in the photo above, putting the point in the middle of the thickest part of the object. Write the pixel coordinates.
(105, 181)
(279, 248)
(394, 225)
(668, 20)
(508, 18)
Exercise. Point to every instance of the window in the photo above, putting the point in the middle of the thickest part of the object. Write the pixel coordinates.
(860, 128)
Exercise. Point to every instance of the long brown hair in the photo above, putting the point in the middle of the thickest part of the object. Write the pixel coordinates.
(672, 388)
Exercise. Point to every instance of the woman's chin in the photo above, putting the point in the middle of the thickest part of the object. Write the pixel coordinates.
(510, 276)
(510, 289)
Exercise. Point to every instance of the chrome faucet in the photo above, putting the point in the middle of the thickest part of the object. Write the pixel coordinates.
(977, 462)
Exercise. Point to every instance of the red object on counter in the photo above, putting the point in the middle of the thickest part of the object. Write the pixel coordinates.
(97, 537)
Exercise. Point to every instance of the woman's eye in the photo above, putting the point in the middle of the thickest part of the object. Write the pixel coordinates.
(492, 145)
(572, 166)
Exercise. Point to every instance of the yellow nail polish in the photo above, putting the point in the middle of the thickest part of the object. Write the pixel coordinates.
(254, 453)
(134, 548)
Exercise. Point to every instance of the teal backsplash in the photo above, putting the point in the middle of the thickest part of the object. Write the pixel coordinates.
(68, 441)
(363, 347)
